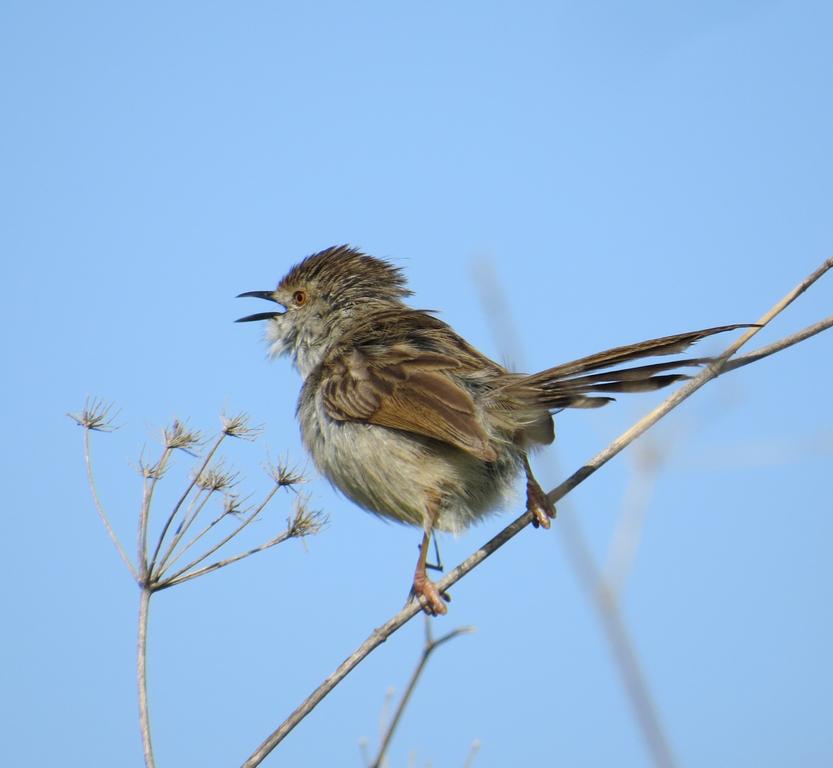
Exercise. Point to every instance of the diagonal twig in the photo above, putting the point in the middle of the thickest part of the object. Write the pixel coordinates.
(428, 648)
(99, 507)
(164, 580)
(184, 576)
(169, 561)
(222, 436)
(777, 346)
(194, 509)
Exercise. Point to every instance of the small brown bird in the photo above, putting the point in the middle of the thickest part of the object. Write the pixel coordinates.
(409, 420)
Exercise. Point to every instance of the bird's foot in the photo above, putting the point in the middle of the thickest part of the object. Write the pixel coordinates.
(430, 597)
(539, 504)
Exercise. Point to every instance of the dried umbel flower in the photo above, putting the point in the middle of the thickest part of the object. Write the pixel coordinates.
(154, 471)
(216, 478)
(178, 436)
(232, 504)
(238, 426)
(284, 475)
(96, 415)
(305, 521)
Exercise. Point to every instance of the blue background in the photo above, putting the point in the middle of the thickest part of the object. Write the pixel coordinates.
(621, 170)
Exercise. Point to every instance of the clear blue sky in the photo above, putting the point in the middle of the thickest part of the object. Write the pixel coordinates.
(628, 170)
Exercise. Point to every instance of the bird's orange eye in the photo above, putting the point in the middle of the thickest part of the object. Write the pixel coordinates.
(300, 298)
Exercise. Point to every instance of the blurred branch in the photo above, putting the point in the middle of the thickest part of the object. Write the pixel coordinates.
(428, 648)
(473, 750)
(382, 633)
(648, 461)
(600, 592)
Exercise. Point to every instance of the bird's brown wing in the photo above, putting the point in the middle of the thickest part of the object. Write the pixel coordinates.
(405, 388)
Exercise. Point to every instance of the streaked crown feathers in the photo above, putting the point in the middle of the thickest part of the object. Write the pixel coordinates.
(341, 275)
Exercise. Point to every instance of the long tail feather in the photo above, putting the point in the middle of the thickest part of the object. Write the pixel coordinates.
(564, 387)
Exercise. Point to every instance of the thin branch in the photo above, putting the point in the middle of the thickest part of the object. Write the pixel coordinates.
(175, 510)
(152, 477)
(194, 509)
(100, 508)
(428, 648)
(179, 579)
(141, 676)
(684, 392)
(95, 416)
(473, 750)
(384, 716)
(303, 523)
(222, 542)
(169, 561)
(777, 346)
(625, 542)
(382, 633)
(633, 679)
(376, 638)
(178, 437)
(141, 537)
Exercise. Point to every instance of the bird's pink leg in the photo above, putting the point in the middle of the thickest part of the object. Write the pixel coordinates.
(432, 600)
(537, 502)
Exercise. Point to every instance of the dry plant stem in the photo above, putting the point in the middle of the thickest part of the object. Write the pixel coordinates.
(633, 679)
(100, 508)
(777, 346)
(382, 633)
(169, 561)
(377, 637)
(142, 535)
(622, 552)
(475, 748)
(141, 676)
(144, 515)
(620, 642)
(430, 646)
(173, 581)
(200, 500)
(148, 573)
(222, 542)
(182, 499)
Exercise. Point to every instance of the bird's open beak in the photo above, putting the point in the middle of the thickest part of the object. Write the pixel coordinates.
(269, 296)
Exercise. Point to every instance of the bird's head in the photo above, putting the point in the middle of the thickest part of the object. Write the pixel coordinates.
(321, 296)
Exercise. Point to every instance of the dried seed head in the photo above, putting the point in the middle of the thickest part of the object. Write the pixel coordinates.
(96, 415)
(305, 521)
(284, 475)
(238, 426)
(216, 478)
(179, 436)
(231, 504)
(154, 471)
